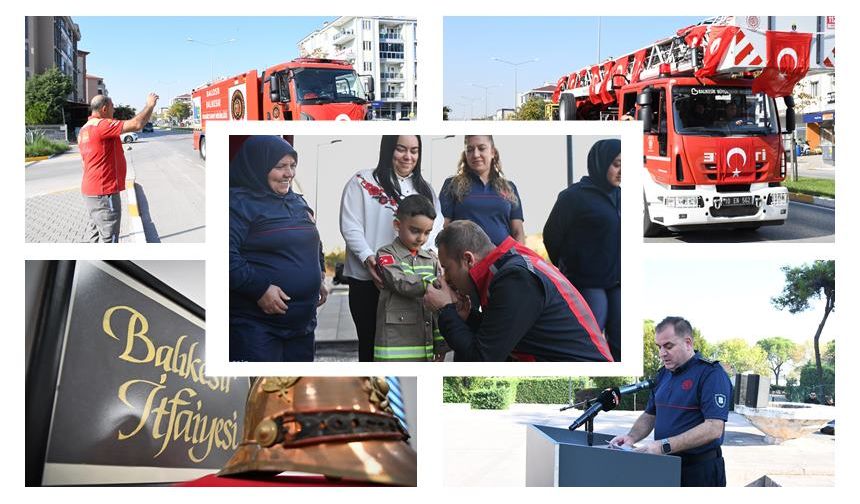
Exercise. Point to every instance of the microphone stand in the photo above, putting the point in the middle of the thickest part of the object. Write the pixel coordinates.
(589, 425)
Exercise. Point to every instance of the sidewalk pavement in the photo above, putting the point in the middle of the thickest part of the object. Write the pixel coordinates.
(336, 339)
(61, 216)
(488, 448)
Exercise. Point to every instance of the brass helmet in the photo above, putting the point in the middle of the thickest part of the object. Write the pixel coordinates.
(342, 427)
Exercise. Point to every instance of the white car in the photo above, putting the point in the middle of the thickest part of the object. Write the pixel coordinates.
(129, 137)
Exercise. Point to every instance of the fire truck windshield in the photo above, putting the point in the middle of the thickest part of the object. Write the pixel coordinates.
(325, 85)
(723, 111)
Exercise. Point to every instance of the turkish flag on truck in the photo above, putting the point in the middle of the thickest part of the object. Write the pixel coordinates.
(719, 40)
(787, 63)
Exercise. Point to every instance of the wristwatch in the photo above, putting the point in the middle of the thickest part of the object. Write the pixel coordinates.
(667, 448)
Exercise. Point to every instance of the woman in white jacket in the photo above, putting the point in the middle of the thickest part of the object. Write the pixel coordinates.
(367, 209)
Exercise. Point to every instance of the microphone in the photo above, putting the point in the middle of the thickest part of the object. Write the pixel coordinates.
(609, 399)
(636, 387)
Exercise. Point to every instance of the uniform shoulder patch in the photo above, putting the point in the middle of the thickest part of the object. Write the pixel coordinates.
(720, 400)
(385, 260)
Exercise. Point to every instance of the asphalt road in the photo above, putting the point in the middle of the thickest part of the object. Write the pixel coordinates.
(170, 184)
(806, 223)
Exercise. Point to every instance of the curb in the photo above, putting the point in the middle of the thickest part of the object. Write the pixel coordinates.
(136, 234)
(813, 200)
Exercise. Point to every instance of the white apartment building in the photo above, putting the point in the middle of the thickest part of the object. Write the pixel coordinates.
(815, 103)
(384, 47)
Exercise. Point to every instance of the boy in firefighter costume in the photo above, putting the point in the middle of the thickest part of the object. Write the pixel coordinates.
(406, 330)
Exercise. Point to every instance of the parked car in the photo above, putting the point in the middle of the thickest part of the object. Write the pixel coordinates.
(147, 128)
(129, 137)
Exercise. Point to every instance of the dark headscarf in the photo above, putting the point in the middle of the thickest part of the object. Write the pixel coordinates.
(600, 158)
(256, 158)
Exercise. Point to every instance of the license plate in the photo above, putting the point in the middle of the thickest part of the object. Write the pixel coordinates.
(728, 201)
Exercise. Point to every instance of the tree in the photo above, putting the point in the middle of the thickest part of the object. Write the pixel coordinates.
(446, 110)
(179, 110)
(124, 112)
(742, 357)
(803, 283)
(532, 110)
(650, 355)
(779, 350)
(828, 358)
(45, 95)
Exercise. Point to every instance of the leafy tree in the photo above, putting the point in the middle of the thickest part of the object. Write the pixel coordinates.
(779, 350)
(742, 357)
(124, 112)
(532, 110)
(179, 110)
(446, 110)
(803, 283)
(650, 356)
(828, 358)
(45, 95)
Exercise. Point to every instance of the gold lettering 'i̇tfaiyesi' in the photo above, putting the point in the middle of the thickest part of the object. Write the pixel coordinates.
(178, 418)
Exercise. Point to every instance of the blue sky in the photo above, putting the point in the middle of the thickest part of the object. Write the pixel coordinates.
(561, 44)
(136, 55)
(730, 298)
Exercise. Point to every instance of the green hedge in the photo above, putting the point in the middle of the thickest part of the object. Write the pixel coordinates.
(454, 390)
(547, 390)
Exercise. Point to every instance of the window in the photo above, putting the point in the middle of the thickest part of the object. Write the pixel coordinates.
(366, 24)
(813, 88)
(368, 66)
(368, 45)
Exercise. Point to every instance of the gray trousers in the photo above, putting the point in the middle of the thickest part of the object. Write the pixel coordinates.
(105, 214)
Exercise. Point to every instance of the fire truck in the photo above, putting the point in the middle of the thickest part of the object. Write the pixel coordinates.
(706, 96)
(302, 89)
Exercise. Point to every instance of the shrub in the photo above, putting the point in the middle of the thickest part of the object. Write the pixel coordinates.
(492, 398)
(37, 144)
(453, 390)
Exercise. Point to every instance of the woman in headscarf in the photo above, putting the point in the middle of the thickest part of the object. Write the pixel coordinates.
(583, 237)
(277, 270)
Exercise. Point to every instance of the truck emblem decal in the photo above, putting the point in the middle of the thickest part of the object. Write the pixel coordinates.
(708, 157)
(237, 105)
(791, 53)
(276, 112)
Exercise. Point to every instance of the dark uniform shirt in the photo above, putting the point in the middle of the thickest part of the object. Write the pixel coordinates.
(686, 397)
(490, 210)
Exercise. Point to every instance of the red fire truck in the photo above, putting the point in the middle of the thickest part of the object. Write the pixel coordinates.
(713, 136)
(302, 89)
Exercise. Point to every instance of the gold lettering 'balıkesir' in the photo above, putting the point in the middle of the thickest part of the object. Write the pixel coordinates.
(178, 418)
(139, 349)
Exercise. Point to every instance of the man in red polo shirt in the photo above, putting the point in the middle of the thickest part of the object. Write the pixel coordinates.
(104, 165)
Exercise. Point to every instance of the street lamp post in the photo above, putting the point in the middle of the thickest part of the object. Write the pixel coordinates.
(486, 90)
(211, 47)
(516, 66)
(470, 101)
(317, 182)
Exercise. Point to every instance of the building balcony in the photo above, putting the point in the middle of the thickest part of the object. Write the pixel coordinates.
(393, 96)
(390, 56)
(831, 97)
(391, 76)
(343, 36)
(345, 54)
(390, 37)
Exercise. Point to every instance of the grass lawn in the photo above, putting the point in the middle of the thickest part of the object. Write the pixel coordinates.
(44, 147)
(812, 186)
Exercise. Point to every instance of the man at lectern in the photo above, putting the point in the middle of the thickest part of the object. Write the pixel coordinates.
(687, 410)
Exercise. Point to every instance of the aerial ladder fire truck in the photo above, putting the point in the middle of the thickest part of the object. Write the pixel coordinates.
(706, 96)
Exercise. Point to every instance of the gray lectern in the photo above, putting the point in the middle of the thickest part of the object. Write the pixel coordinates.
(560, 457)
